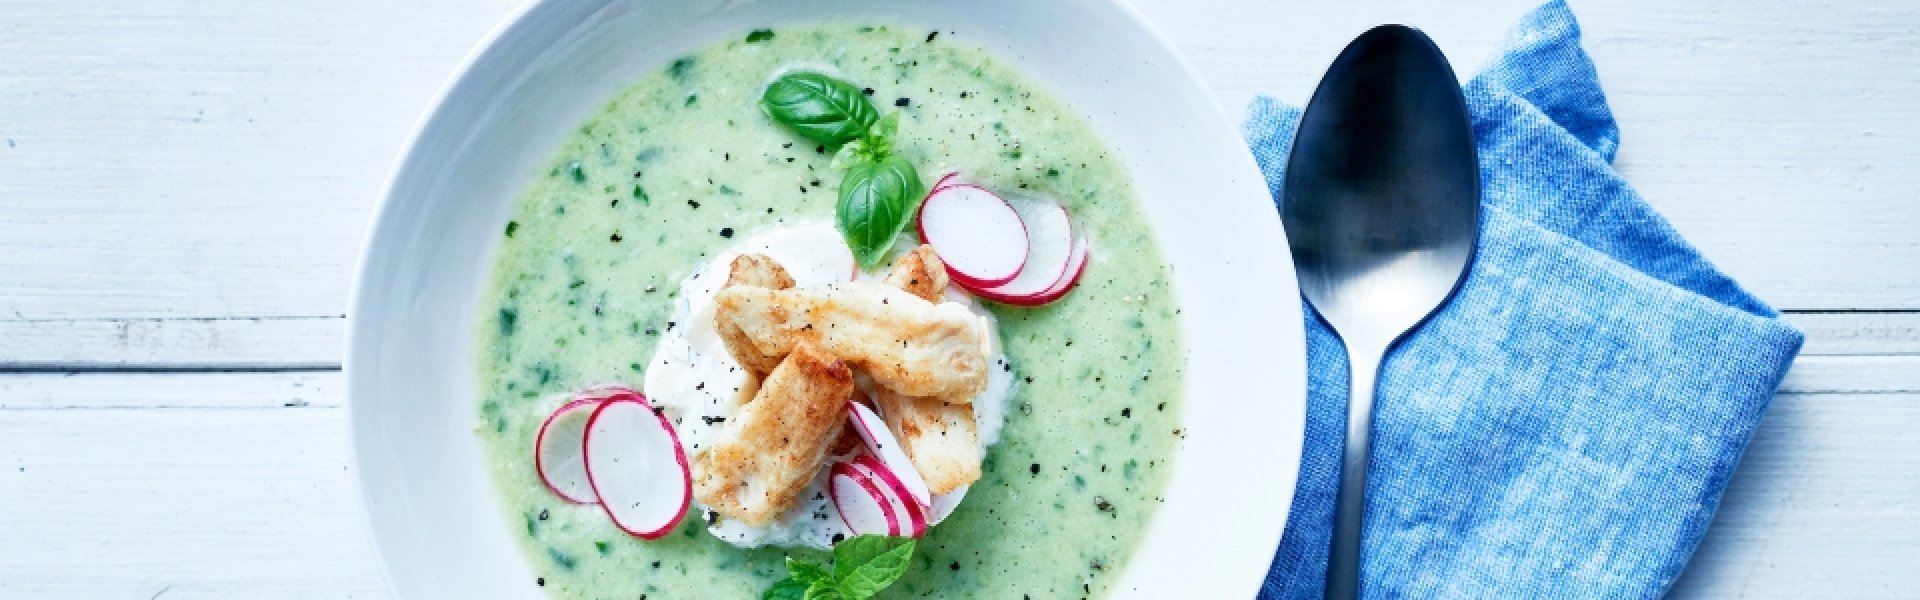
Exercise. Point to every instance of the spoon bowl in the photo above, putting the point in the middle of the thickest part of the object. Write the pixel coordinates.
(1381, 205)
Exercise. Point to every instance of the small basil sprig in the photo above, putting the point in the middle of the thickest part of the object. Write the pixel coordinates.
(880, 190)
(862, 566)
(819, 108)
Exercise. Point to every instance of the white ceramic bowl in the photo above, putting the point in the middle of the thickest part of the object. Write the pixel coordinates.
(410, 361)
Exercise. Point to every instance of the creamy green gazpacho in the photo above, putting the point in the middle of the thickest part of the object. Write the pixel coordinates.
(684, 163)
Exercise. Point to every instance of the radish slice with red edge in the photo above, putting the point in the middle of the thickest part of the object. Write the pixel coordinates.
(915, 523)
(557, 448)
(882, 444)
(1076, 267)
(862, 505)
(976, 233)
(1050, 252)
(946, 179)
(943, 504)
(637, 467)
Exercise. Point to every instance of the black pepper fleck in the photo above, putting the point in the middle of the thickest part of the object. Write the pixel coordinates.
(540, 581)
(615, 238)
(1034, 469)
(1126, 412)
(867, 91)
(900, 102)
(726, 232)
(955, 566)
(930, 37)
(693, 203)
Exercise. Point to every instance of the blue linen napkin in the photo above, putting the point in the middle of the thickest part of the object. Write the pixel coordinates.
(1565, 426)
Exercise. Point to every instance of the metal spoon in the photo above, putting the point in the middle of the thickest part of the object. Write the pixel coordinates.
(1382, 209)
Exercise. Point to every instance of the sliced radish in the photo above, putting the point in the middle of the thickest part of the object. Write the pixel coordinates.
(946, 179)
(976, 233)
(944, 504)
(882, 444)
(915, 523)
(862, 505)
(1076, 266)
(1050, 253)
(557, 448)
(636, 466)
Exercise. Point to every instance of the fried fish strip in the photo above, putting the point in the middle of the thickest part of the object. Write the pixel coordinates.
(903, 342)
(940, 439)
(920, 273)
(757, 270)
(764, 458)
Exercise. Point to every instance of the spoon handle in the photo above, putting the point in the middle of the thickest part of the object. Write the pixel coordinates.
(1343, 560)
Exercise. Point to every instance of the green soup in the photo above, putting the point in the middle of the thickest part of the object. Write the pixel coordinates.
(683, 163)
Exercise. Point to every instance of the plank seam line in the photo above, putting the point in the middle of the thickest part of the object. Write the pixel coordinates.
(85, 368)
(174, 319)
(81, 407)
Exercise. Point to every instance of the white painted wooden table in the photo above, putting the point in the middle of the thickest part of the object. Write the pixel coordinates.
(184, 186)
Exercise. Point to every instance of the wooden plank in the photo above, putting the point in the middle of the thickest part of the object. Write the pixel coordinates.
(214, 343)
(1858, 333)
(226, 492)
(1853, 375)
(1826, 504)
(232, 172)
(206, 157)
(157, 391)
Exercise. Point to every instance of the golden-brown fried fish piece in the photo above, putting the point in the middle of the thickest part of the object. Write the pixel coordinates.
(756, 270)
(920, 273)
(767, 454)
(940, 439)
(907, 344)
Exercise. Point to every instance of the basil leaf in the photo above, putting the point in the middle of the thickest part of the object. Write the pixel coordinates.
(786, 589)
(806, 572)
(876, 200)
(868, 577)
(818, 107)
(883, 132)
(853, 153)
(852, 552)
(822, 590)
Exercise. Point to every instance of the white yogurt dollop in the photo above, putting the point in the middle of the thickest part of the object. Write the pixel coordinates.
(700, 386)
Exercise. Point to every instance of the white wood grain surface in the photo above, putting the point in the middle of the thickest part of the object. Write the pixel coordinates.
(184, 184)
